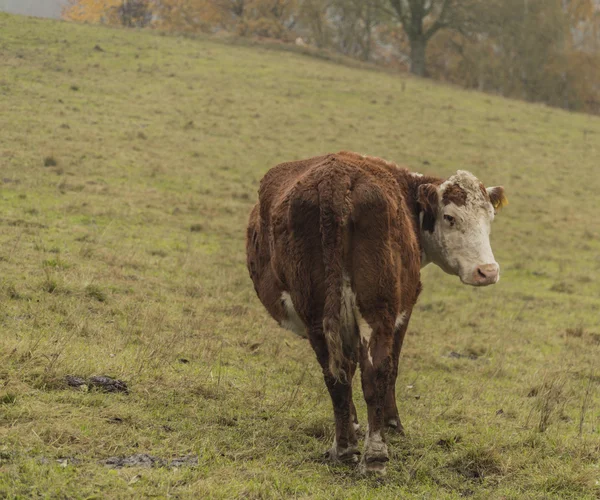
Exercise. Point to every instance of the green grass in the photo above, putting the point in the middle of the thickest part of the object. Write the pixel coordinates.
(126, 178)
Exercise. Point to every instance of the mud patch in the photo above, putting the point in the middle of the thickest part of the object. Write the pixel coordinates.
(103, 383)
(149, 461)
(458, 355)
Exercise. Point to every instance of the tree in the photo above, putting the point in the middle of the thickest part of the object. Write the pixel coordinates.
(125, 12)
(422, 19)
(270, 18)
(91, 11)
(314, 22)
(134, 13)
(188, 15)
(354, 23)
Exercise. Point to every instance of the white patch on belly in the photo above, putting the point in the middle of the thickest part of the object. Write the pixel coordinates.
(400, 319)
(293, 321)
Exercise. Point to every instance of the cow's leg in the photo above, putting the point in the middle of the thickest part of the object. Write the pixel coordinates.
(345, 444)
(391, 416)
(353, 414)
(376, 368)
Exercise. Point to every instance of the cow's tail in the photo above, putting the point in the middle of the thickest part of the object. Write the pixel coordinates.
(334, 209)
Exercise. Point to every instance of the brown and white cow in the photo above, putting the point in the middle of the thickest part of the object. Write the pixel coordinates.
(335, 245)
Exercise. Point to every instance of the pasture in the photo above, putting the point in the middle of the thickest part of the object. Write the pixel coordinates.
(129, 162)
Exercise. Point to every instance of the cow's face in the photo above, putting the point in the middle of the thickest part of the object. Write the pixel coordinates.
(456, 219)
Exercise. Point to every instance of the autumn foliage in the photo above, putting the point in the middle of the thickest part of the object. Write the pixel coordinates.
(537, 50)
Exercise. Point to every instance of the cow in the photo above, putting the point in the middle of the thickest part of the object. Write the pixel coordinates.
(335, 245)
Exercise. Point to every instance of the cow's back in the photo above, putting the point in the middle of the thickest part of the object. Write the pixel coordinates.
(284, 244)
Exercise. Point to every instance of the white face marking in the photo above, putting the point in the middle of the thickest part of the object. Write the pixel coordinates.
(416, 174)
(293, 321)
(460, 242)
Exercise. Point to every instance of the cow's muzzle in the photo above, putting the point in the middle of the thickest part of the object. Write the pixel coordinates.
(484, 275)
(487, 274)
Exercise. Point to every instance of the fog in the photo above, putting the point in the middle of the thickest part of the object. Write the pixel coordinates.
(39, 8)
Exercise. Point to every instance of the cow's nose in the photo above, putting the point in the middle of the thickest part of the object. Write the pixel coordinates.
(487, 274)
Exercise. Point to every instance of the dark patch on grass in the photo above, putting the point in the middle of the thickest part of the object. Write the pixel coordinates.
(594, 338)
(5, 457)
(108, 384)
(12, 292)
(562, 287)
(74, 88)
(241, 196)
(95, 292)
(196, 228)
(65, 186)
(206, 392)
(138, 460)
(233, 310)
(148, 461)
(73, 381)
(103, 383)
(457, 355)
(188, 460)
(49, 285)
(476, 465)
(85, 238)
(23, 223)
(449, 443)
(318, 429)
(575, 332)
(158, 253)
(227, 421)
(193, 291)
(50, 161)
(8, 398)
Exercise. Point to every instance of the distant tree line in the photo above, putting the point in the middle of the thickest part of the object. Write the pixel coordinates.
(537, 50)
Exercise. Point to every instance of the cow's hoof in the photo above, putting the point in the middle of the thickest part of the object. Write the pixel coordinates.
(374, 464)
(345, 455)
(394, 425)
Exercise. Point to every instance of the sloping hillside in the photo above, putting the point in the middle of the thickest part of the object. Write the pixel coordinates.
(128, 164)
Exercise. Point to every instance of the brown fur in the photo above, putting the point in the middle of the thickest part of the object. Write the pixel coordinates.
(455, 194)
(343, 214)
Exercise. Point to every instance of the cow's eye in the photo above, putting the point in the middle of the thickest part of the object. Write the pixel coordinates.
(450, 219)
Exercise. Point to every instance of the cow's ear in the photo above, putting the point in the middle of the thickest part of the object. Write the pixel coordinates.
(497, 197)
(428, 202)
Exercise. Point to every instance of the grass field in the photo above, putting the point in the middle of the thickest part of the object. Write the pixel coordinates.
(129, 162)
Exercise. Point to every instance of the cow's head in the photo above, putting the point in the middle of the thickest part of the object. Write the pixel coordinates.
(456, 219)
